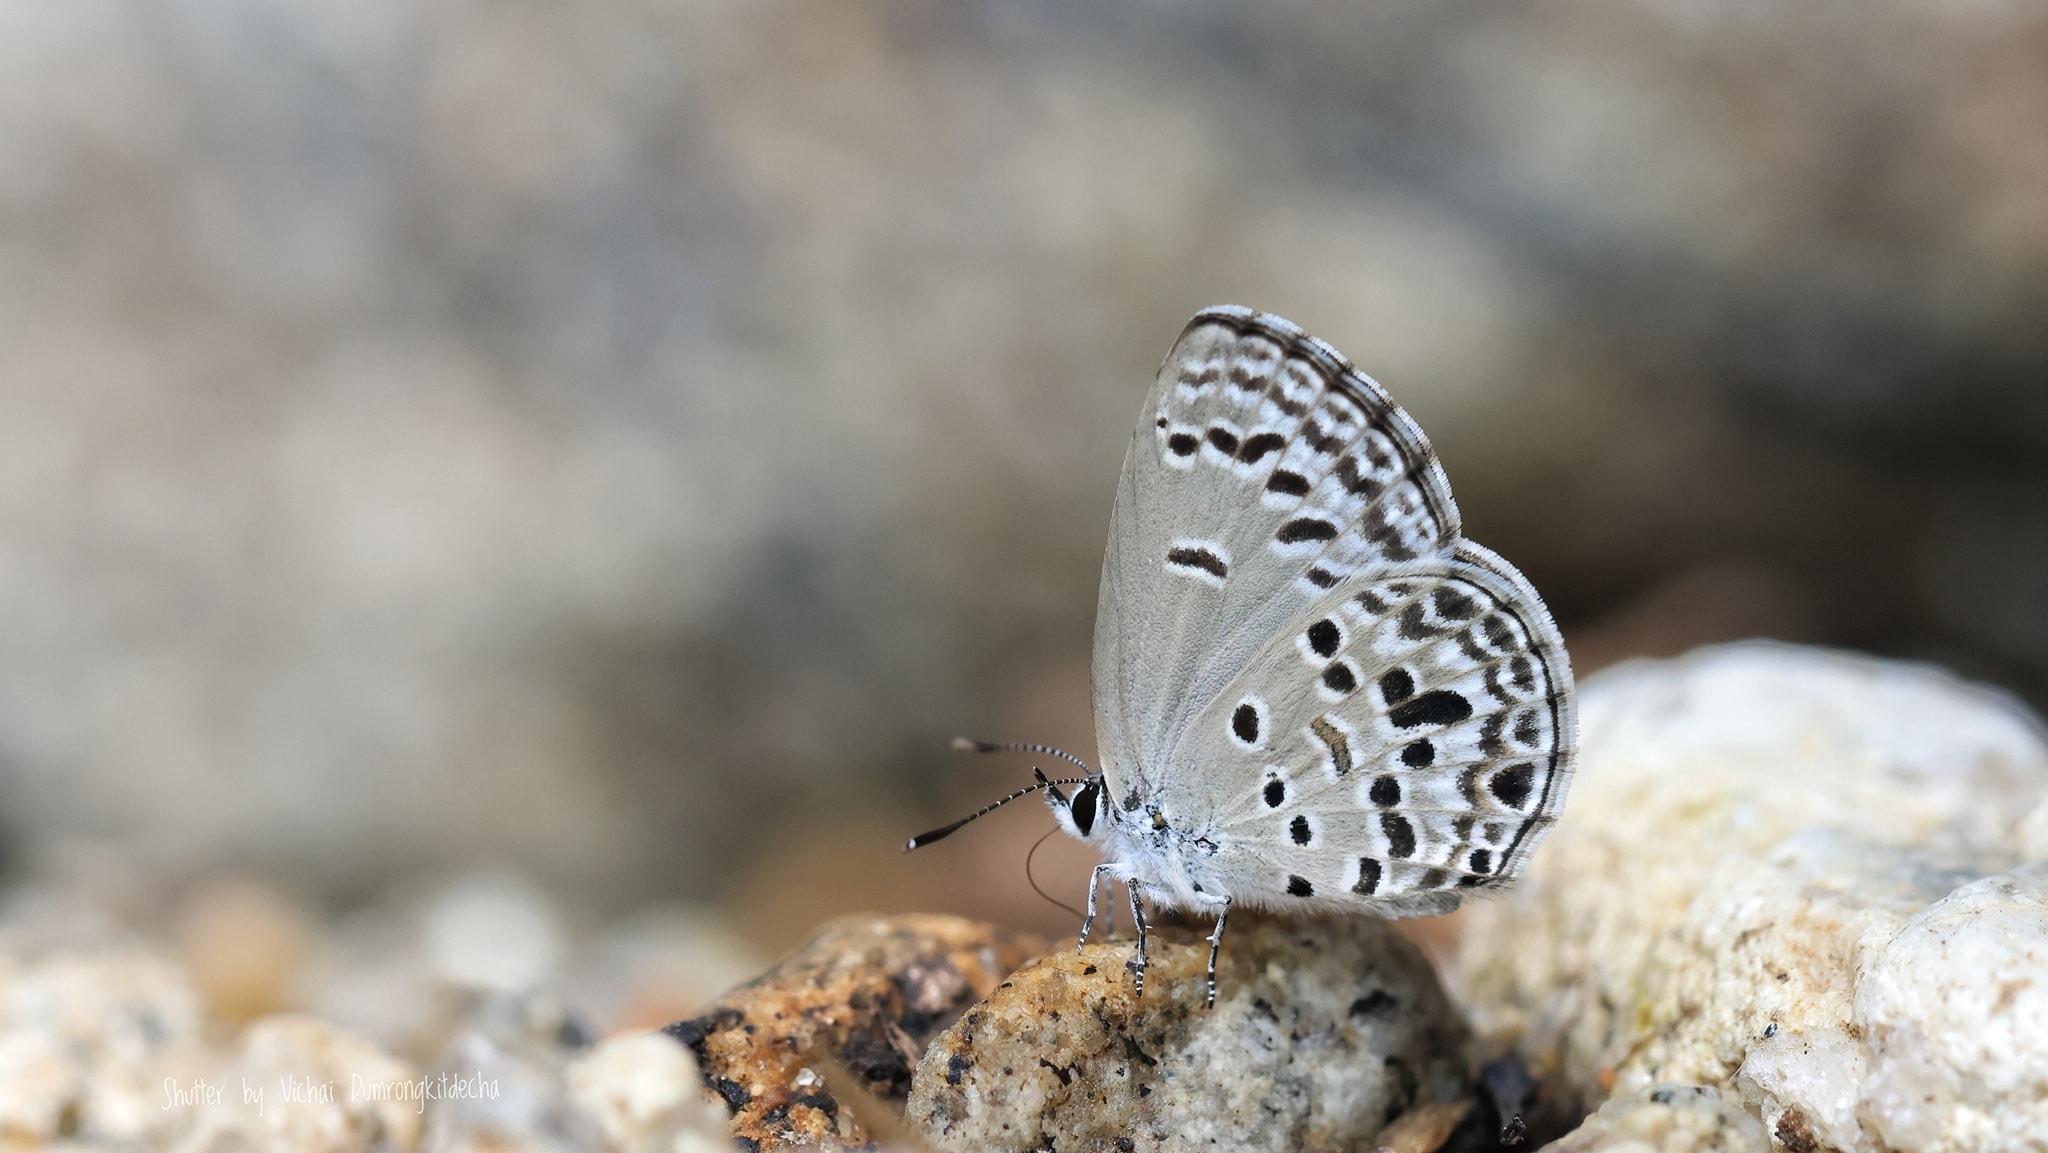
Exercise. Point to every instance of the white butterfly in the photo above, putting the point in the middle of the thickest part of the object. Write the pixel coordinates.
(1310, 692)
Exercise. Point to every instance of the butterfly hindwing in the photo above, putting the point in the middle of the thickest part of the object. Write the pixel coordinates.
(1406, 737)
(1265, 474)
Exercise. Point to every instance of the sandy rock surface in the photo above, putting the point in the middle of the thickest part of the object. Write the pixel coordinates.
(1667, 1119)
(1322, 1033)
(1762, 884)
(867, 994)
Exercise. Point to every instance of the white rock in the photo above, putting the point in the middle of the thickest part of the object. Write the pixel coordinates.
(644, 1092)
(322, 1090)
(1667, 1119)
(88, 1038)
(1956, 1012)
(1754, 835)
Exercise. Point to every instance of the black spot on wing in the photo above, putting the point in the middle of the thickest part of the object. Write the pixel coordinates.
(1386, 792)
(1244, 722)
(1256, 446)
(1282, 481)
(1323, 637)
(1339, 678)
(1512, 784)
(1396, 685)
(1198, 558)
(1368, 877)
(1305, 528)
(1182, 444)
(1275, 793)
(1299, 887)
(1224, 440)
(1400, 835)
(1436, 707)
(1418, 754)
(1299, 831)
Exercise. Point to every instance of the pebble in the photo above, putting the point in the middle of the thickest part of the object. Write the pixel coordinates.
(866, 994)
(1323, 1032)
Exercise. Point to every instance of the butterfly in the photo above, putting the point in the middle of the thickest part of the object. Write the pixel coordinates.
(1312, 694)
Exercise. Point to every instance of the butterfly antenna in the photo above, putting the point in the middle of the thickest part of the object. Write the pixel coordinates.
(944, 831)
(1033, 881)
(970, 745)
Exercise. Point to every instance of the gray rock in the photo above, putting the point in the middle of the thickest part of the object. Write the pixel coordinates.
(1322, 1033)
(1749, 889)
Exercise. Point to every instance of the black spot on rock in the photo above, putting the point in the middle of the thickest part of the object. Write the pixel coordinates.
(735, 1094)
(957, 1066)
(1373, 1004)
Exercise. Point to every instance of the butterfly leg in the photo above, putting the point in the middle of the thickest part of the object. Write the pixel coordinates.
(1109, 915)
(1215, 945)
(1138, 917)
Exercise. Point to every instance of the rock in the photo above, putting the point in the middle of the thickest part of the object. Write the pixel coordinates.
(1323, 1032)
(1753, 835)
(1955, 1010)
(88, 1036)
(505, 1066)
(324, 1091)
(641, 1092)
(1667, 1119)
(866, 993)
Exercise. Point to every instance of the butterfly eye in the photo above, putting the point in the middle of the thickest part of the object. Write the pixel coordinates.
(1083, 807)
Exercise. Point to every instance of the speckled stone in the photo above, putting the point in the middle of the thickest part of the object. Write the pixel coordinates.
(1323, 1032)
(326, 1090)
(1667, 1119)
(641, 1092)
(1740, 892)
(88, 1036)
(867, 993)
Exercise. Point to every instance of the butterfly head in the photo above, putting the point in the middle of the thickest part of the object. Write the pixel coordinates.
(1084, 815)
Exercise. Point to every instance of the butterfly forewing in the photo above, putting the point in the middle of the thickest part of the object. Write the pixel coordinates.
(1295, 650)
(1265, 473)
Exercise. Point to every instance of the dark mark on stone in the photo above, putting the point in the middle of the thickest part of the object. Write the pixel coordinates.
(1135, 1053)
(1372, 1004)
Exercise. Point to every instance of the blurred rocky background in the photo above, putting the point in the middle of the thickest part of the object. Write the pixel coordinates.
(558, 475)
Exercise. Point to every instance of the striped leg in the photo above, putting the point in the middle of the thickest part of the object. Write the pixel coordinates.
(1138, 916)
(1215, 945)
